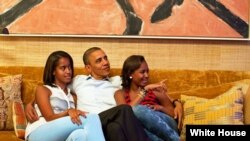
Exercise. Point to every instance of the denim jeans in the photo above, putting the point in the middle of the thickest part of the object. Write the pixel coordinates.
(64, 129)
(158, 126)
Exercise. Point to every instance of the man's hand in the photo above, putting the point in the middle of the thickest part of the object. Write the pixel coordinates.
(155, 107)
(30, 113)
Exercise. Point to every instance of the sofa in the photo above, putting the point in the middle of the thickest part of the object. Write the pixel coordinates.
(193, 87)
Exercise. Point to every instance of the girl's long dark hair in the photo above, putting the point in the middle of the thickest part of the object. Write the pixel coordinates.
(51, 63)
(131, 64)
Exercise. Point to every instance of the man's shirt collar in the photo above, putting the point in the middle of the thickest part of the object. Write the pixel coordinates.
(90, 77)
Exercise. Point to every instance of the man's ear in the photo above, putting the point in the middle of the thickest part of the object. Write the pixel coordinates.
(88, 68)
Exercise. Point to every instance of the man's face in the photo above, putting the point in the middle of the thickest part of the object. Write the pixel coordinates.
(98, 65)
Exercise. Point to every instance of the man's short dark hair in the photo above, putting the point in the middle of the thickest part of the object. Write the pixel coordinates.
(86, 54)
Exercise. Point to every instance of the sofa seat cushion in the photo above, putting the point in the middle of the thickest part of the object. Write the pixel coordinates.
(9, 136)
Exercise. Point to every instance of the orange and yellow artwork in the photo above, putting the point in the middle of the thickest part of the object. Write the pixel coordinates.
(142, 18)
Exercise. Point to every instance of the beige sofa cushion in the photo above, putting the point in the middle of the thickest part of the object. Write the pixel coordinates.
(19, 119)
(10, 90)
(227, 108)
(247, 107)
(212, 92)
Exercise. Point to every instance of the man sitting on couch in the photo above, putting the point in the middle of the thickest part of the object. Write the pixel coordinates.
(95, 94)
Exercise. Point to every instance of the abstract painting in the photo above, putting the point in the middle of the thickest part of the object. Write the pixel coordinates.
(137, 18)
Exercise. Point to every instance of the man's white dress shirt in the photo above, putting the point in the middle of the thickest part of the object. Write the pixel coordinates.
(93, 95)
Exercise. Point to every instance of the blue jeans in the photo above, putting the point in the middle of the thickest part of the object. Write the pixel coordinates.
(64, 129)
(158, 126)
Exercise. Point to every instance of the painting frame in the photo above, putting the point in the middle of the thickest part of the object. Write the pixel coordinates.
(132, 32)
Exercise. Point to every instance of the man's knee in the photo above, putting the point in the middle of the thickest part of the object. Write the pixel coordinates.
(124, 107)
(114, 127)
(115, 132)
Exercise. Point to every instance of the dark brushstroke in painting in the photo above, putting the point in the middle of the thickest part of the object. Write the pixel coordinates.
(11, 15)
(164, 10)
(133, 22)
(226, 15)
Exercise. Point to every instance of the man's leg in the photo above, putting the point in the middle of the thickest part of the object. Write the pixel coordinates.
(113, 129)
(121, 119)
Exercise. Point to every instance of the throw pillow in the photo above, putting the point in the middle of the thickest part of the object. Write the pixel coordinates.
(19, 119)
(10, 89)
(247, 107)
(226, 108)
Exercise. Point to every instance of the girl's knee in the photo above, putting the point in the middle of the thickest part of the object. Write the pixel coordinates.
(91, 115)
(140, 109)
(90, 118)
(77, 135)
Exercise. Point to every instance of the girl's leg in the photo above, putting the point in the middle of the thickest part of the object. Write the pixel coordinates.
(93, 128)
(56, 130)
(60, 129)
(169, 120)
(162, 127)
(152, 136)
(77, 135)
(91, 132)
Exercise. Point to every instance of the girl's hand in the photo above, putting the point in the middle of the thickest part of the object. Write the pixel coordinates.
(75, 115)
(155, 107)
(31, 114)
(159, 87)
(178, 112)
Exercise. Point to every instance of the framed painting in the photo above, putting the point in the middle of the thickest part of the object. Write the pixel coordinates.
(209, 19)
